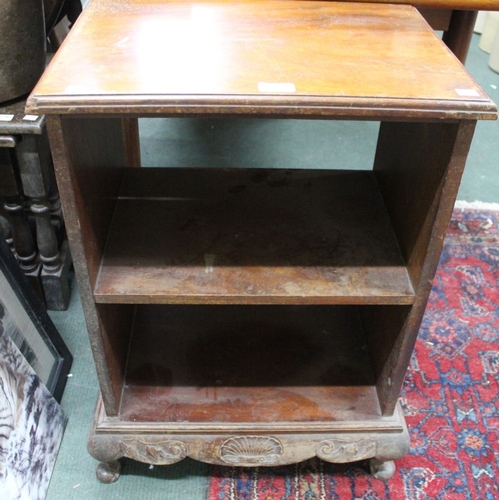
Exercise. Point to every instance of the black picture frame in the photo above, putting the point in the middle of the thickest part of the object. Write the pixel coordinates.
(24, 318)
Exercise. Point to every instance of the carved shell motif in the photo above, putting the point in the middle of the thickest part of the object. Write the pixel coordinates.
(154, 451)
(251, 450)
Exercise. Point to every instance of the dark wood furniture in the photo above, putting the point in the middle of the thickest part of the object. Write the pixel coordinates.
(255, 317)
(28, 192)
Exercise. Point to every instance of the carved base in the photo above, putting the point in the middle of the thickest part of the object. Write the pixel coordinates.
(247, 445)
(108, 472)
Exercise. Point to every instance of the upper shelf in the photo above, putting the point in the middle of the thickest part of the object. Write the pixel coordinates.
(288, 58)
(251, 236)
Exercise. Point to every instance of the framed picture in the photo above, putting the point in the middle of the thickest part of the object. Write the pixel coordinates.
(23, 318)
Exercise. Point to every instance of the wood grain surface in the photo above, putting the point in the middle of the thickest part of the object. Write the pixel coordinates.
(88, 159)
(248, 364)
(419, 167)
(300, 58)
(446, 4)
(251, 236)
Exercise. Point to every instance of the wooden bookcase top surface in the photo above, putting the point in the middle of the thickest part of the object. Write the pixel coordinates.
(289, 58)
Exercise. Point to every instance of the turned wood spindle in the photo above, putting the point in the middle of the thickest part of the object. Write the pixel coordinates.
(46, 236)
(35, 166)
(24, 244)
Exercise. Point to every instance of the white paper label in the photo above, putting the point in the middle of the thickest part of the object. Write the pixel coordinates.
(467, 92)
(30, 118)
(276, 87)
(6, 118)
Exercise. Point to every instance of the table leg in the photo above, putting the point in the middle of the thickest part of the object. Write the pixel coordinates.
(459, 33)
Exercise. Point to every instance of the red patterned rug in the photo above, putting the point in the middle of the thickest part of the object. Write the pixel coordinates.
(450, 397)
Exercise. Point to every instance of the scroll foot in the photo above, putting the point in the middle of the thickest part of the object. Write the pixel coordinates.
(382, 470)
(108, 472)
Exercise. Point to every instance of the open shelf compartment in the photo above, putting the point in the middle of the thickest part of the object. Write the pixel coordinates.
(240, 364)
(251, 236)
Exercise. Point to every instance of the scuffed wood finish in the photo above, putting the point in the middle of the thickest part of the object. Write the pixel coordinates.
(278, 447)
(88, 162)
(251, 236)
(248, 450)
(131, 56)
(231, 364)
(419, 167)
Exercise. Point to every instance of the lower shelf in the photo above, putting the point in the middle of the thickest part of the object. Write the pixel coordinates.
(224, 366)
(248, 386)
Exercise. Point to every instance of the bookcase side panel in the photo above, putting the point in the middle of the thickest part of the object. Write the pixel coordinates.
(410, 166)
(418, 167)
(88, 161)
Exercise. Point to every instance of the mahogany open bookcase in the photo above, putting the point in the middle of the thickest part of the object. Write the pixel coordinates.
(255, 316)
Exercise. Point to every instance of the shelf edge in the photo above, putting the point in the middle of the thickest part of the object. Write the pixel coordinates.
(248, 300)
(285, 105)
